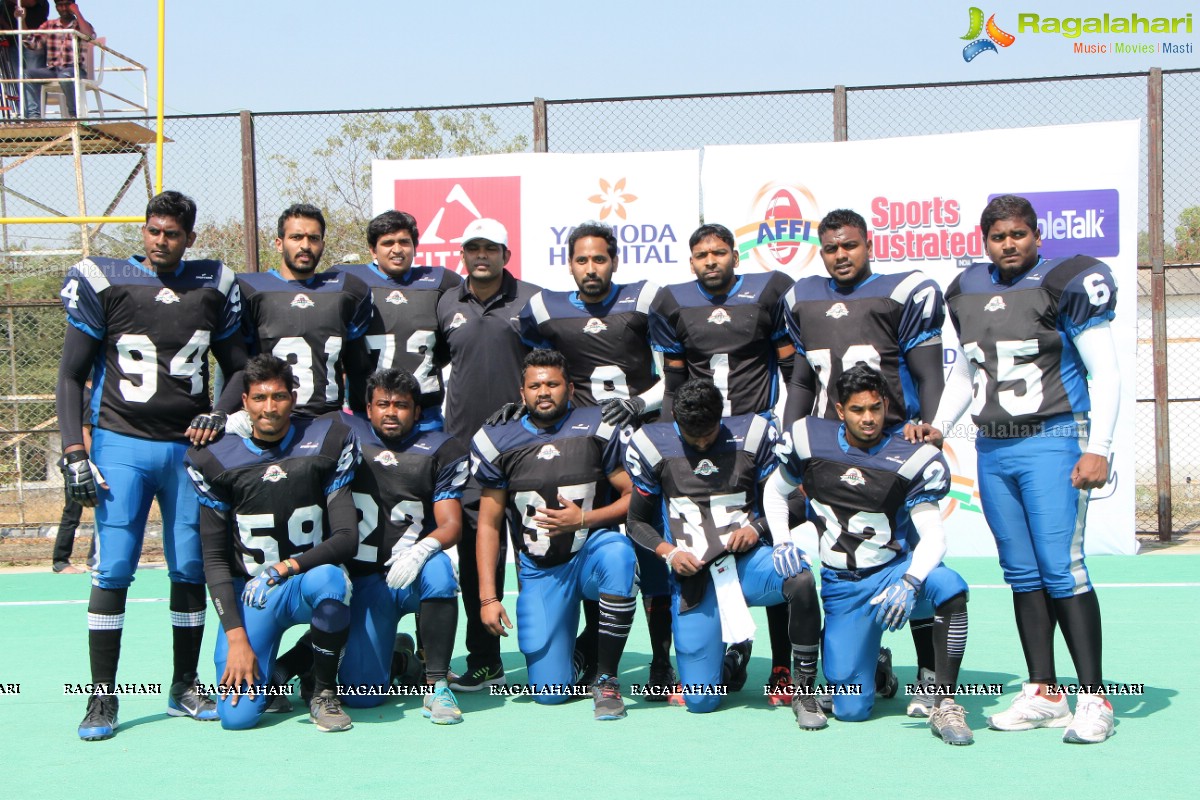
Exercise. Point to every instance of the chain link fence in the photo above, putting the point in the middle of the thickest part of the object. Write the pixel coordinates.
(243, 169)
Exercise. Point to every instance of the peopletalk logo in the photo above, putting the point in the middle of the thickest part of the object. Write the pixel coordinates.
(995, 36)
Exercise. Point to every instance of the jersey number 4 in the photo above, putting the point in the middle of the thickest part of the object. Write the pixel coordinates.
(137, 358)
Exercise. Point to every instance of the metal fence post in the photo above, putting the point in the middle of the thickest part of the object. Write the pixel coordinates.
(249, 192)
(1158, 303)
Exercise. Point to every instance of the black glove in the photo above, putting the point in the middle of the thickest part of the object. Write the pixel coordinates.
(621, 412)
(506, 413)
(212, 421)
(81, 478)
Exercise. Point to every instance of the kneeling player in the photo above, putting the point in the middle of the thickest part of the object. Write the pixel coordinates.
(866, 488)
(557, 473)
(408, 490)
(284, 493)
(705, 474)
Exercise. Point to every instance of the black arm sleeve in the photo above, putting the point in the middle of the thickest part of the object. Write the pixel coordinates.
(356, 363)
(673, 378)
(925, 364)
(79, 353)
(801, 392)
(231, 356)
(216, 542)
(343, 533)
(644, 512)
(785, 367)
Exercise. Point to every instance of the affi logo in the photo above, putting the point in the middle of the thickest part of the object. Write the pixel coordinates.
(302, 301)
(705, 468)
(995, 36)
(837, 311)
(274, 474)
(594, 326)
(995, 304)
(853, 477)
(548, 453)
(165, 295)
(781, 233)
(719, 316)
(387, 458)
(396, 298)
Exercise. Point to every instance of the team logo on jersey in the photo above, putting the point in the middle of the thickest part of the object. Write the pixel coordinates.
(309, 446)
(274, 474)
(719, 316)
(548, 453)
(746, 295)
(387, 458)
(165, 295)
(627, 300)
(853, 477)
(705, 468)
(995, 304)
(458, 320)
(302, 301)
(897, 459)
(594, 326)
(837, 311)
(396, 298)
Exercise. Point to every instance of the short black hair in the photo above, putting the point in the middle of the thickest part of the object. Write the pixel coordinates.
(545, 358)
(394, 381)
(303, 210)
(698, 406)
(176, 205)
(859, 378)
(266, 367)
(390, 222)
(592, 228)
(1008, 206)
(712, 229)
(842, 218)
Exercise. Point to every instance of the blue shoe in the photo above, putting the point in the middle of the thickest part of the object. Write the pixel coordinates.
(187, 700)
(100, 721)
(441, 707)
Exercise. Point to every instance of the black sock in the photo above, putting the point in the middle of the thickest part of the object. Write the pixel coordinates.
(922, 636)
(588, 640)
(1035, 625)
(658, 623)
(1079, 617)
(804, 610)
(328, 633)
(616, 617)
(949, 633)
(106, 620)
(437, 624)
(187, 629)
(777, 628)
(296, 661)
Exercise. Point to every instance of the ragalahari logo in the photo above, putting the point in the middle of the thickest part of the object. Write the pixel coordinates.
(782, 231)
(612, 198)
(995, 36)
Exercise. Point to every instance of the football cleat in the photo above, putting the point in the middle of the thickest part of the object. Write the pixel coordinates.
(585, 670)
(948, 722)
(735, 665)
(1032, 709)
(779, 687)
(189, 700)
(440, 706)
(280, 704)
(809, 715)
(407, 668)
(100, 721)
(662, 686)
(478, 679)
(886, 682)
(606, 699)
(922, 701)
(1093, 721)
(326, 712)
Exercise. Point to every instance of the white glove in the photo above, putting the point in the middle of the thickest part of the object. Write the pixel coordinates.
(239, 425)
(406, 565)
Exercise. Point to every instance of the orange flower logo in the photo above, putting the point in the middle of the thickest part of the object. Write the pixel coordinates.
(612, 199)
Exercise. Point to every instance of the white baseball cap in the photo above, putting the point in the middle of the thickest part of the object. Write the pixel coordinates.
(488, 229)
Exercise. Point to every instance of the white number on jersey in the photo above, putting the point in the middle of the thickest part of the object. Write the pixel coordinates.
(1026, 399)
(295, 350)
(537, 542)
(869, 552)
(727, 514)
(70, 293)
(137, 357)
(410, 513)
(719, 364)
(822, 364)
(607, 374)
(304, 526)
(1097, 289)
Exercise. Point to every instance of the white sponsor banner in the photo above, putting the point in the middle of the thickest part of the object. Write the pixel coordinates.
(651, 199)
(921, 198)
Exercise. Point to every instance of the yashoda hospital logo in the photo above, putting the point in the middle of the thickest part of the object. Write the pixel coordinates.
(995, 36)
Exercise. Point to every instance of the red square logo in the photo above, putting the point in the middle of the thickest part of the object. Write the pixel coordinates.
(445, 206)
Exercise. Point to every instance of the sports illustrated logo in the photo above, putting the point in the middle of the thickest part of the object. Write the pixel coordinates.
(458, 319)
(995, 304)
(837, 311)
(450, 204)
(302, 301)
(853, 477)
(612, 198)
(1085, 221)
(781, 233)
(548, 453)
(166, 296)
(995, 36)
(387, 458)
(719, 316)
(705, 468)
(594, 326)
(396, 298)
(274, 474)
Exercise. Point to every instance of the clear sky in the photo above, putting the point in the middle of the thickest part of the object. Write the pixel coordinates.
(273, 55)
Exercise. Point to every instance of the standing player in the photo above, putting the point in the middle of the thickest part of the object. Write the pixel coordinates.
(314, 321)
(479, 321)
(277, 507)
(603, 330)
(1033, 331)
(729, 329)
(703, 477)
(403, 333)
(142, 329)
(867, 488)
(408, 490)
(893, 324)
(557, 475)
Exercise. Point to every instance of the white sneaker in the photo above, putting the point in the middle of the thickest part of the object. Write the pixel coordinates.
(1093, 720)
(922, 700)
(1031, 709)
